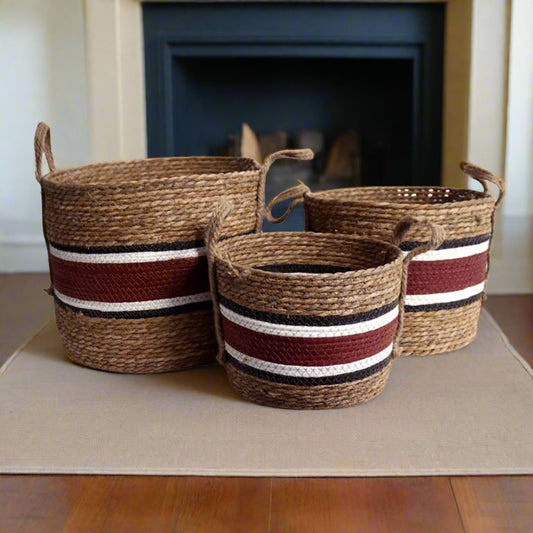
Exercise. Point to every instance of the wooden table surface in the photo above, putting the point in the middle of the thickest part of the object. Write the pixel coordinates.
(32, 503)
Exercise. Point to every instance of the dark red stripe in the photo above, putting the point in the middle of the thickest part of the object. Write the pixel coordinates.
(429, 277)
(130, 282)
(308, 351)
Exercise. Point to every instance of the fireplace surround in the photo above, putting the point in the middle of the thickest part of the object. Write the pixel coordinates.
(474, 82)
(376, 68)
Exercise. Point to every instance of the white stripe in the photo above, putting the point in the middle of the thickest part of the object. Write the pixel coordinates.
(309, 371)
(127, 257)
(443, 297)
(147, 305)
(288, 330)
(452, 253)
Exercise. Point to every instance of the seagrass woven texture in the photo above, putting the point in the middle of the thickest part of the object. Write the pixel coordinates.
(127, 258)
(446, 286)
(306, 320)
(174, 341)
(295, 317)
(147, 201)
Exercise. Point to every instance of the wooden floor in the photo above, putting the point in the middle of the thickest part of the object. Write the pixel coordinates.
(133, 503)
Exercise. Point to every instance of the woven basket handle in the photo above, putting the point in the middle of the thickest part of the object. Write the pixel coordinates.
(42, 146)
(296, 193)
(437, 235)
(212, 236)
(303, 154)
(482, 175)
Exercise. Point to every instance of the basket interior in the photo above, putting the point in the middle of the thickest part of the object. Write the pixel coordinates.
(138, 171)
(307, 253)
(401, 195)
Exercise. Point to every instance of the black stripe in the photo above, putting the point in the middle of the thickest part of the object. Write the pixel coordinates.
(305, 381)
(306, 320)
(178, 310)
(305, 269)
(444, 305)
(451, 243)
(157, 247)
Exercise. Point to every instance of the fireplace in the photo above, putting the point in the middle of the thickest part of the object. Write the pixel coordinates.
(331, 68)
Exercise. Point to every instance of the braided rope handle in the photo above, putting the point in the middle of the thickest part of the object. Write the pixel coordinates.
(303, 154)
(437, 236)
(42, 145)
(484, 176)
(300, 154)
(296, 193)
(212, 235)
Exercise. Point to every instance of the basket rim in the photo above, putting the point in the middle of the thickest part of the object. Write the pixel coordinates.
(322, 196)
(48, 180)
(298, 276)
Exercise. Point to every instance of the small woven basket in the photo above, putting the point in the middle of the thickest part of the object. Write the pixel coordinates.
(308, 320)
(446, 286)
(127, 259)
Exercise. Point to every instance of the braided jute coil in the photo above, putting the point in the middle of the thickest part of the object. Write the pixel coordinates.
(308, 320)
(127, 258)
(446, 287)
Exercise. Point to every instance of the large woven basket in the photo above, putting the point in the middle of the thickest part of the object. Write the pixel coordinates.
(307, 320)
(127, 257)
(446, 286)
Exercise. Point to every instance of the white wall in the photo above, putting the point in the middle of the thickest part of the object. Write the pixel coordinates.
(42, 61)
(519, 160)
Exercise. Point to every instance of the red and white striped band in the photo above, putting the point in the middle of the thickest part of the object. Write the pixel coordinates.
(308, 350)
(131, 281)
(447, 278)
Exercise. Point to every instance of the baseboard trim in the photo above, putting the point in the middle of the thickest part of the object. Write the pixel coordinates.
(510, 277)
(23, 256)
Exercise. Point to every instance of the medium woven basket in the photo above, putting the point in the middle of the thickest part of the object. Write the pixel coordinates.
(127, 259)
(307, 320)
(446, 286)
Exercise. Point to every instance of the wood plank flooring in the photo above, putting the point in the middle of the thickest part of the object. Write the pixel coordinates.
(472, 504)
(364, 505)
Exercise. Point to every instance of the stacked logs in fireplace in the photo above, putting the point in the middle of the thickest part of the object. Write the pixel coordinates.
(338, 160)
